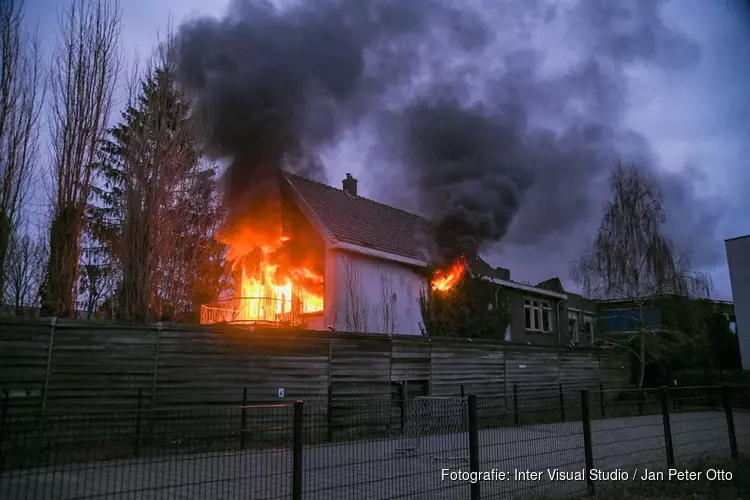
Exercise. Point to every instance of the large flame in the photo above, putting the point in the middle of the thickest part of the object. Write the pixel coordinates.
(277, 258)
(445, 281)
(273, 292)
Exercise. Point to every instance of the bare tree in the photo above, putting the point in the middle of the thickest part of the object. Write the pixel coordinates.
(388, 316)
(357, 307)
(21, 96)
(631, 259)
(84, 73)
(25, 268)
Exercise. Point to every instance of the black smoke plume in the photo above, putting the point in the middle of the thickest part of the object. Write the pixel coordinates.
(458, 97)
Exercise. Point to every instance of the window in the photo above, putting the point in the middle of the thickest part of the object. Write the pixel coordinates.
(546, 317)
(538, 315)
(588, 327)
(573, 325)
(627, 320)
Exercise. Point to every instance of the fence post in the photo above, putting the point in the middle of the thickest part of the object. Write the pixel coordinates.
(463, 394)
(3, 421)
(588, 449)
(243, 428)
(298, 440)
(562, 401)
(137, 444)
(155, 369)
(727, 397)
(641, 399)
(602, 405)
(48, 368)
(404, 394)
(667, 426)
(515, 404)
(329, 415)
(474, 444)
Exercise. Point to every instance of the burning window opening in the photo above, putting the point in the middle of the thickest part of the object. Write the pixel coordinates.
(444, 281)
(271, 288)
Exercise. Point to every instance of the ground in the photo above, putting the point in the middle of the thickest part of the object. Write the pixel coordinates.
(384, 469)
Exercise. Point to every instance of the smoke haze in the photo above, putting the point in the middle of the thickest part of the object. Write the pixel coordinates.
(492, 138)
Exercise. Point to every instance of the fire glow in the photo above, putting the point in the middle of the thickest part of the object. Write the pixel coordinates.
(445, 281)
(269, 291)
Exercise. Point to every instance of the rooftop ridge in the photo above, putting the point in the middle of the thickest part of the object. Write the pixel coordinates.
(369, 200)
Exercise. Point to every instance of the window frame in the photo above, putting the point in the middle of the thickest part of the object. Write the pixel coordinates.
(590, 319)
(534, 311)
(574, 315)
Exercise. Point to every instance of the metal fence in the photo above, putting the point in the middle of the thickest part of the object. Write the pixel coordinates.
(535, 444)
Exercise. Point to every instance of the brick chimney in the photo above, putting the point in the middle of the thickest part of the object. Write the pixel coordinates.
(503, 273)
(350, 185)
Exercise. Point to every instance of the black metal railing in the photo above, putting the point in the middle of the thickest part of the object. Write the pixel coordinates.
(461, 446)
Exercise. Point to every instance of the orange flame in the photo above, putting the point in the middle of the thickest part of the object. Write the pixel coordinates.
(276, 259)
(446, 280)
(274, 296)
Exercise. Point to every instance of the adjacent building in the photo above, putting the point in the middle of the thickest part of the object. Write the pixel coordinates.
(738, 259)
(376, 259)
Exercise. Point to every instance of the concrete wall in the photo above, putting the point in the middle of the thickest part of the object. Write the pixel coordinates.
(738, 258)
(372, 295)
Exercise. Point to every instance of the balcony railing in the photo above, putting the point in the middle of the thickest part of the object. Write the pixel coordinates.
(253, 310)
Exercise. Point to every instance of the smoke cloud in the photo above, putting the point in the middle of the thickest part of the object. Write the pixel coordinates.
(498, 138)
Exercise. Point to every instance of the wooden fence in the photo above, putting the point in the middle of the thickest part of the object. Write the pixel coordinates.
(71, 366)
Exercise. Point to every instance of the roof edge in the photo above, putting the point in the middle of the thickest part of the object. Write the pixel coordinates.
(308, 212)
(371, 252)
(525, 288)
(737, 238)
(657, 297)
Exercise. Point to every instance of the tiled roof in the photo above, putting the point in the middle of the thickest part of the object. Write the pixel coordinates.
(363, 222)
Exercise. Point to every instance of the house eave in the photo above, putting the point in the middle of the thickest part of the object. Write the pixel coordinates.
(629, 301)
(378, 254)
(526, 288)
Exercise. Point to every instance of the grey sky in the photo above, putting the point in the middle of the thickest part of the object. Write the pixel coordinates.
(697, 123)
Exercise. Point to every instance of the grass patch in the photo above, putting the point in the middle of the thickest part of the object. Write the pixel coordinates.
(737, 487)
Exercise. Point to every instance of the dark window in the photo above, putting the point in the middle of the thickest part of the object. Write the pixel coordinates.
(588, 328)
(528, 319)
(573, 329)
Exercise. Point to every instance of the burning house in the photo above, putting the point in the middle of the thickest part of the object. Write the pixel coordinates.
(310, 255)
(324, 258)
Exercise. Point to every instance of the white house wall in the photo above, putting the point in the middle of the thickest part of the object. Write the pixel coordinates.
(330, 287)
(372, 295)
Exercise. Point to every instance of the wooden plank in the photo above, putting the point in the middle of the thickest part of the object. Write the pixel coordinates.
(531, 369)
(579, 369)
(614, 369)
(201, 367)
(410, 359)
(361, 368)
(478, 367)
(23, 354)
